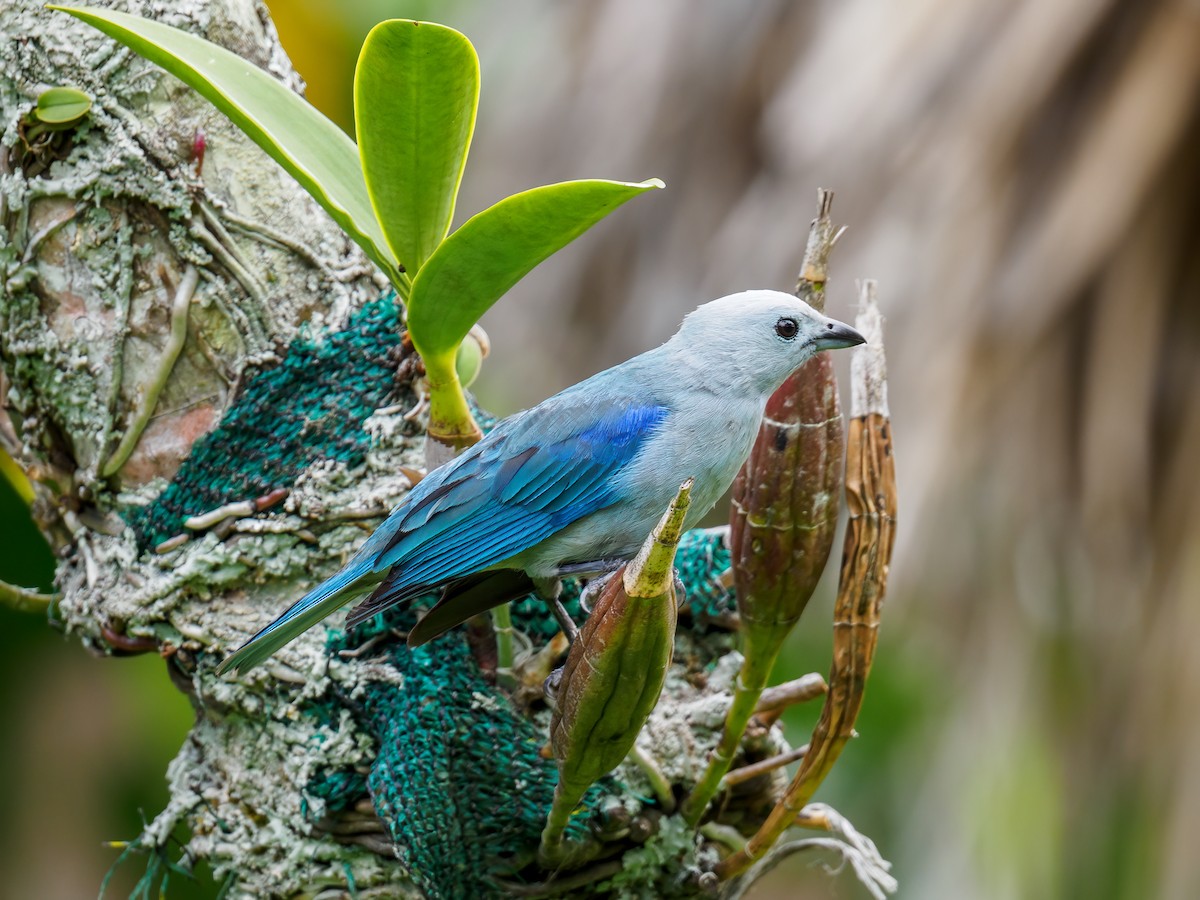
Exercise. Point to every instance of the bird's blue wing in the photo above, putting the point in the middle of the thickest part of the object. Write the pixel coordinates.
(533, 475)
(530, 479)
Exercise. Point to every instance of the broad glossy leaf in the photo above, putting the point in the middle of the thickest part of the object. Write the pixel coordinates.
(309, 146)
(416, 90)
(494, 250)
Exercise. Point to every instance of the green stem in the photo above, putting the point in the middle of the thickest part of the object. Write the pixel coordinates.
(25, 599)
(450, 420)
(552, 850)
(659, 783)
(502, 626)
(175, 342)
(751, 680)
(723, 834)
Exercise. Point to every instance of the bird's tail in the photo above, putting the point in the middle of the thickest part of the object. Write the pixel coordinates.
(306, 612)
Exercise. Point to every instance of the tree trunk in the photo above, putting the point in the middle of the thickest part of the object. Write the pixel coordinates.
(153, 258)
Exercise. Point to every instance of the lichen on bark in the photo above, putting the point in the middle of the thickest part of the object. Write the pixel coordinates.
(93, 253)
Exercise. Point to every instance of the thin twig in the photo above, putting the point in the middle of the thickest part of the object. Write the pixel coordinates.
(775, 700)
(762, 767)
(26, 599)
(723, 834)
(175, 342)
(659, 783)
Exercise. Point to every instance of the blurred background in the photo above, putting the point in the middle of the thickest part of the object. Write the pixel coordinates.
(1022, 178)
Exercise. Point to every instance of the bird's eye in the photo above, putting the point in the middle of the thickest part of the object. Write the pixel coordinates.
(787, 328)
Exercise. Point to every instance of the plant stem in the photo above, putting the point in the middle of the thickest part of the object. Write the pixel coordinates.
(503, 628)
(751, 680)
(551, 849)
(659, 783)
(450, 421)
(179, 323)
(25, 599)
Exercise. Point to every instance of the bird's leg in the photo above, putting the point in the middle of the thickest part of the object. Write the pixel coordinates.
(565, 622)
(591, 568)
(549, 590)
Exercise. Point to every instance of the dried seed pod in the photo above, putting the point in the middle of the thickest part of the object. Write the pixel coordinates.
(866, 555)
(783, 517)
(785, 505)
(614, 673)
(785, 498)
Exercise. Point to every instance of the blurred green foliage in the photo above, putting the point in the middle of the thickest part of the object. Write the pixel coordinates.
(87, 741)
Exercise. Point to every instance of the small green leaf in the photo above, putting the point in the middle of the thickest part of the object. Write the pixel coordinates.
(62, 106)
(309, 146)
(495, 249)
(416, 91)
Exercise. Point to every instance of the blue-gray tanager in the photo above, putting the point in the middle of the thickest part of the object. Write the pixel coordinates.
(578, 480)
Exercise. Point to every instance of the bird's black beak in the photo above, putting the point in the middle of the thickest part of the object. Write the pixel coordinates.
(836, 335)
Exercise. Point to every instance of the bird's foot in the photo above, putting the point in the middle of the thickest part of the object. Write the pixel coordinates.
(592, 590)
(595, 575)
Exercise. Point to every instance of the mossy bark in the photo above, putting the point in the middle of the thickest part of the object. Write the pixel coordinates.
(158, 216)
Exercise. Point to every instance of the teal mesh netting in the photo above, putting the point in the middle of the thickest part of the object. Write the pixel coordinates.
(458, 777)
(702, 558)
(307, 408)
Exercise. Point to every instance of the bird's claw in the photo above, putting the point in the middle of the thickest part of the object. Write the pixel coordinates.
(680, 589)
(592, 590)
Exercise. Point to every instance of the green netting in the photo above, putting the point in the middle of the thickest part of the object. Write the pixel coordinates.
(307, 408)
(339, 788)
(702, 558)
(458, 777)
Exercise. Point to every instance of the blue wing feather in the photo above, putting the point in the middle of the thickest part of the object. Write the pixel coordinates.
(533, 475)
(502, 489)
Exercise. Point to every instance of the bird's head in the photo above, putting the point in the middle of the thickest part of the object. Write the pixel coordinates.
(756, 339)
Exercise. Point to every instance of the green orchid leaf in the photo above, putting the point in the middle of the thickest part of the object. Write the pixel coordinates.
(494, 249)
(62, 106)
(309, 146)
(416, 91)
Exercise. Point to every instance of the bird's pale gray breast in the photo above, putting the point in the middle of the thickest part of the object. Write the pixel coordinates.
(705, 437)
